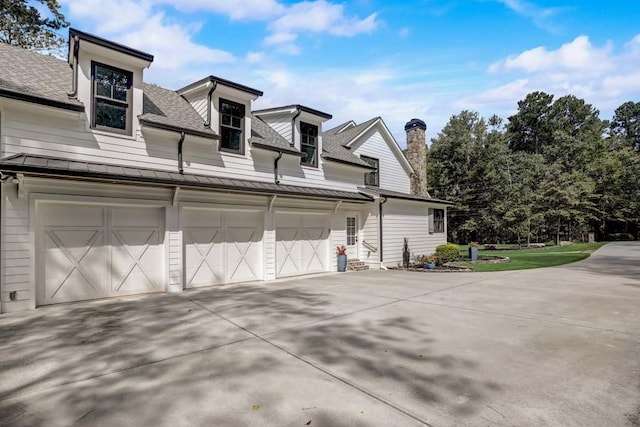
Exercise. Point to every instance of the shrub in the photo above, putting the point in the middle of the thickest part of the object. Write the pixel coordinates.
(620, 236)
(447, 252)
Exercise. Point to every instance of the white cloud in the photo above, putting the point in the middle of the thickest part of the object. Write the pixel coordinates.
(257, 10)
(317, 16)
(541, 16)
(404, 32)
(579, 54)
(603, 76)
(254, 57)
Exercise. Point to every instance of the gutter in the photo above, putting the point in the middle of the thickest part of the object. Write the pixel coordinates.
(293, 126)
(180, 144)
(74, 78)
(209, 106)
(275, 168)
(383, 200)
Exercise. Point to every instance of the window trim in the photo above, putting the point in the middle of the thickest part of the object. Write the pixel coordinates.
(314, 163)
(371, 160)
(240, 150)
(438, 223)
(94, 100)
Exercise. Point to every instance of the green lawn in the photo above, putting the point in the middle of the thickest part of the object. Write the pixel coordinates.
(536, 258)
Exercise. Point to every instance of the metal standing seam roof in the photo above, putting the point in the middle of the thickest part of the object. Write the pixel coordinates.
(398, 195)
(52, 166)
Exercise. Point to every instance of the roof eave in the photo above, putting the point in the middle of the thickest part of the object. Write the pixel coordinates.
(172, 128)
(41, 101)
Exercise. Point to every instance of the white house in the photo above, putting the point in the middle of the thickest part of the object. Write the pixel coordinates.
(112, 186)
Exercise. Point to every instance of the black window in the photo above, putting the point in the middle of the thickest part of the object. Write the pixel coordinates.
(438, 220)
(309, 144)
(111, 98)
(231, 126)
(372, 178)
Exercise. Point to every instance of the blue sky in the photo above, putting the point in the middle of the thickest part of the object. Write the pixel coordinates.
(356, 60)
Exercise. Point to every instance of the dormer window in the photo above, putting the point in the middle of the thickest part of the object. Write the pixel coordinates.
(372, 178)
(231, 125)
(309, 144)
(111, 98)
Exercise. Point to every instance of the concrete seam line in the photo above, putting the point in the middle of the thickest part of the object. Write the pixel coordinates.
(128, 368)
(576, 325)
(319, 368)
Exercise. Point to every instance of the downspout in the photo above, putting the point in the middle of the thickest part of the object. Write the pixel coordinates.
(180, 144)
(275, 168)
(209, 102)
(74, 79)
(383, 200)
(293, 127)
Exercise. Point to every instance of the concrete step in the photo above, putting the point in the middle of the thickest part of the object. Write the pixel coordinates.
(356, 265)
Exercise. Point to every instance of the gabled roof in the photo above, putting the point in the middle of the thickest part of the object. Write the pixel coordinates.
(66, 168)
(165, 109)
(339, 128)
(263, 136)
(346, 136)
(36, 78)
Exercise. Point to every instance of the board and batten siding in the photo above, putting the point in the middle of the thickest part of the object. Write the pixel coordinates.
(392, 175)
(411, 220)
(64, 135)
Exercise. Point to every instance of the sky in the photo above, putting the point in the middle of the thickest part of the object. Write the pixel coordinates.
(426, 59)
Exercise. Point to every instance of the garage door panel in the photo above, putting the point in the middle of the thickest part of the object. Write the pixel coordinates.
(222, 246)
(89, 252)
(135, 256)
(301, 244)
(244, 254)
(204, 256)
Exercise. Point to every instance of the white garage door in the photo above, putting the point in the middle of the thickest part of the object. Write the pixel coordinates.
(302, 243)
(221, 246)
(88, 252)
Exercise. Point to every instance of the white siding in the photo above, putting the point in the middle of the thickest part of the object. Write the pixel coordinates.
(16, 252)
(281, 124)
(370, 228)
(392, 175)
(64, 135)
(411, 220)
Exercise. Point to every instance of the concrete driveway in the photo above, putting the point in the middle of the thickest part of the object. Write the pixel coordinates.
(556, 346)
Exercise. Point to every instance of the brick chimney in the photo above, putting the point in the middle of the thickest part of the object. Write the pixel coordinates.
(417, 155)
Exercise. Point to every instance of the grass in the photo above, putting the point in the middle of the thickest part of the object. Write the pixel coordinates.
(536, 258)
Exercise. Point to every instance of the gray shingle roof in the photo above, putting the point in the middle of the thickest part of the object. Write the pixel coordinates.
(53, 166)
(334, 143)
(398, 195)
(346, 136)
(263, 136)
(39, 76)
(335, 129)
(164, 107)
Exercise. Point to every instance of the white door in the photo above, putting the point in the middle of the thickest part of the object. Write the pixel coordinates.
(302, 243)
(352, 235)
(221, 246)
(87, 252)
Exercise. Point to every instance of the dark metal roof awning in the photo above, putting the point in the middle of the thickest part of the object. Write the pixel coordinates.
(66, 168)
(397, 195)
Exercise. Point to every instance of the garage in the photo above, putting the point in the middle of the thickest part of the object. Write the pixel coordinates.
(302, 243)
(222, 246)
(94, 251)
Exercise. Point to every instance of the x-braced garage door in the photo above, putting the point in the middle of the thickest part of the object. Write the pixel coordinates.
(88, 252)
(222, 246)
(302, 243)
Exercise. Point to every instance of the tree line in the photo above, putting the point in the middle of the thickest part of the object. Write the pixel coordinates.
(552, 171)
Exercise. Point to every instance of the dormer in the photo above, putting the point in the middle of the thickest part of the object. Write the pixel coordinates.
(301, 126)
(225, 106)
(107, 79)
